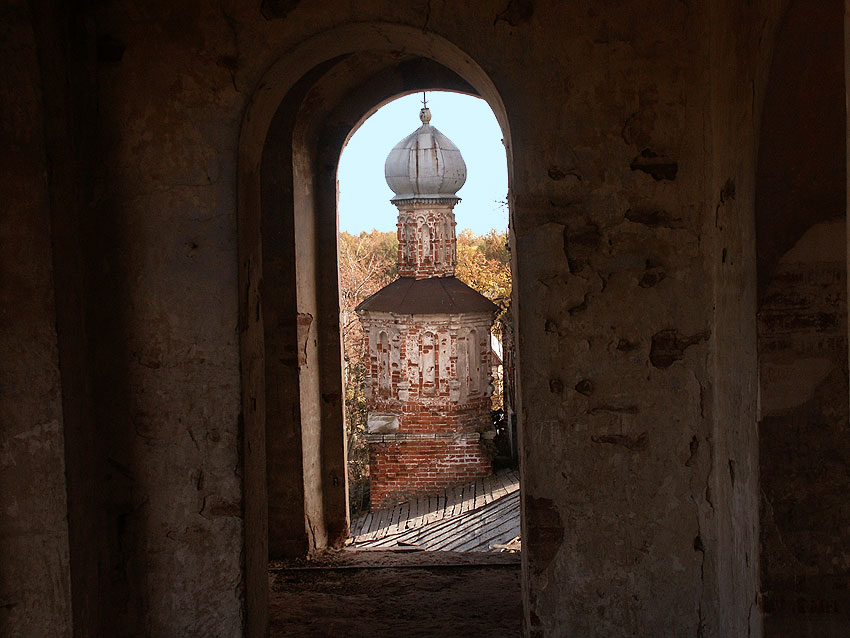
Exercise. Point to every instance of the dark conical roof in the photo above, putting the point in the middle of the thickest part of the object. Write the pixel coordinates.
(436, 295)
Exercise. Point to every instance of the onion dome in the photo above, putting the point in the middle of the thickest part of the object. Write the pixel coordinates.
(425, 165)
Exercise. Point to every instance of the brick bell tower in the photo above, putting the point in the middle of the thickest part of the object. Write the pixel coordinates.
(427, 336)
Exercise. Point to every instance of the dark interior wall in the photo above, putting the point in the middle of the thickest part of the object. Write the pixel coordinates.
(624, 129)
(66, 46)
(737, 91)
(802, 319)
(282, 335)
(674, 369)
(162, 475)
(801, 172)
(35, 593)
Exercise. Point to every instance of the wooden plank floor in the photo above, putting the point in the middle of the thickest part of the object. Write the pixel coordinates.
(466, 518)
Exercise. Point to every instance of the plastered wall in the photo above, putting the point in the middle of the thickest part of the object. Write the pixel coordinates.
(35, 591)
(632, 136)
(802, 316)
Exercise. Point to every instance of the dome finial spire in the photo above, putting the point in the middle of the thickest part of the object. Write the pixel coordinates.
(424, 113)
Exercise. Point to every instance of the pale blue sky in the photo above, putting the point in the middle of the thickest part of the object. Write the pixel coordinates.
(364, 197)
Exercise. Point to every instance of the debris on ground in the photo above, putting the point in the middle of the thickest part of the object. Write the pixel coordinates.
(514, 546)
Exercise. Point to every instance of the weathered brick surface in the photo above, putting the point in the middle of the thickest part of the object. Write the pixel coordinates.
(428, 374)
(417, 256)
(403, 468)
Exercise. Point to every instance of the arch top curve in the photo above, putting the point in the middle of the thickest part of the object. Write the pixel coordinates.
(293, 127)
(293, 65)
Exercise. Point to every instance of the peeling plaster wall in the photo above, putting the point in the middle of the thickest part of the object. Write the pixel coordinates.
(803, 328)
(636, 242)
(730, 602)
(631, 134)
(162, 250)
(35, 588)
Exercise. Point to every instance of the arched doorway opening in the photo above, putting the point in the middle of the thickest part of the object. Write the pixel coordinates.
(293, 131)
(431, 465)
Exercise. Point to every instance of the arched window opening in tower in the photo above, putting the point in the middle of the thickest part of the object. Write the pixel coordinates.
(383, 375)
(425, 315)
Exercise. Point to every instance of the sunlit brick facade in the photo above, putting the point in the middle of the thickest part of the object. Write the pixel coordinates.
(427, 337)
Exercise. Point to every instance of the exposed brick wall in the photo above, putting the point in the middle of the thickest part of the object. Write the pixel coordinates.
(400, 469)
(433, 374)
(468, 417)
(401, 359)
(427, 244)
(428, 382)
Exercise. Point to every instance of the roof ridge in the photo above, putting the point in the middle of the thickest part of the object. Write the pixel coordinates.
(407, 289)
(448, 294)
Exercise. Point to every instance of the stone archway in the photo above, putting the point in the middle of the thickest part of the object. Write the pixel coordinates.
(800, 215)
(308, 104)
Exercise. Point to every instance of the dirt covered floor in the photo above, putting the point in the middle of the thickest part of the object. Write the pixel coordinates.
(379, 594)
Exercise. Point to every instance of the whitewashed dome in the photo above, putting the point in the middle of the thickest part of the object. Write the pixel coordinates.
(425, 165)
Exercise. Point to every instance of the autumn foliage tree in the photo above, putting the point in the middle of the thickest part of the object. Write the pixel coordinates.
(484, 263)
(367, 263)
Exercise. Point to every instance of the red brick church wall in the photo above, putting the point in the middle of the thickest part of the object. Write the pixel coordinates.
(403, 468)
(437, 443)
